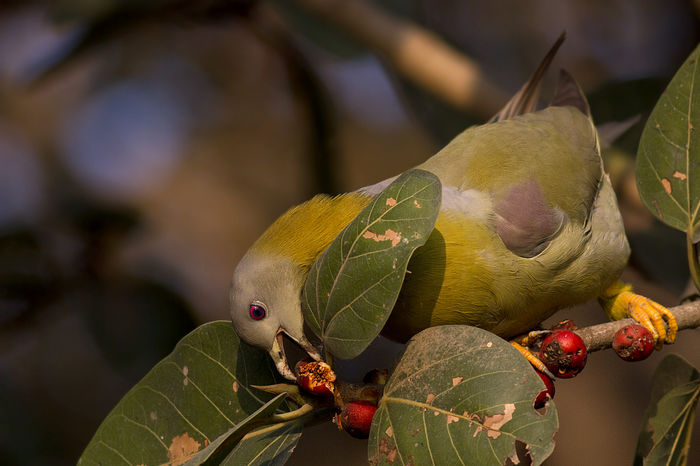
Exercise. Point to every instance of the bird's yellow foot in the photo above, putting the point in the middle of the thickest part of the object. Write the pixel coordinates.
(532, 358)
(619, 302)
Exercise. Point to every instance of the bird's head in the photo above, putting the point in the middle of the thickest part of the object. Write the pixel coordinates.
(265, 305)
(265, 295)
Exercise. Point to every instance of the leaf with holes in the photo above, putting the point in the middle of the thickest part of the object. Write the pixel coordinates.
(194, 395)
(353, 285)
(462, 395)
(668, 421)
(668, 159)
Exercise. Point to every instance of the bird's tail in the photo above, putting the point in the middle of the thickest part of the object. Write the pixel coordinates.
(525, 100)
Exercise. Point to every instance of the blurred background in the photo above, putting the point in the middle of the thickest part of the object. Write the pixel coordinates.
(144, 145)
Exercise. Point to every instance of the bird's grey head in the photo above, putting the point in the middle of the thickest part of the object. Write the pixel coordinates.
(265, 303)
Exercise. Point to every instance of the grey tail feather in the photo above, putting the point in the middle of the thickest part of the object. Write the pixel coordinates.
(568, 92)
(525, 100)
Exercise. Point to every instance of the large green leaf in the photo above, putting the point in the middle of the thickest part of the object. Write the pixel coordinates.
(668, 421)
(269, 446)
(461, 395)
(353, 285)
(186, 401)
(668, 159)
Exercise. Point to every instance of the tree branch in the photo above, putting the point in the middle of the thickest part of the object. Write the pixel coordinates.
(415, 52)
(600, 337)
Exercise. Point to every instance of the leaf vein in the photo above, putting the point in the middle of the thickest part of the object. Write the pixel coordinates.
(469, 380)
(177, 410)
(434, 363)
(389, 399)
(114, 450)
(144, 426)
(449, 435)
(427, 439)
(206, 397)
(356, 298)
(669, 140)
(367, 227)
(656, 174)
(391, 424)
(245, 387)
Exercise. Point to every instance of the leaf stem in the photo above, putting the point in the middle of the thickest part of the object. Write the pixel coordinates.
(291, 415)
(693, 259)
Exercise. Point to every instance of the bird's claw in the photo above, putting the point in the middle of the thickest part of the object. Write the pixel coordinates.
(619, 302)
(652, 315)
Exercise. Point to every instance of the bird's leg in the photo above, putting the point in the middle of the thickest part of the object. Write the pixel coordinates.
(531, 338)
(619, 302)
(531, 357)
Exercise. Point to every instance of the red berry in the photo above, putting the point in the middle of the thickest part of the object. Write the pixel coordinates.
(356, 418)
(633, 342)
(564, 353)
(314, 377)
(547, 393)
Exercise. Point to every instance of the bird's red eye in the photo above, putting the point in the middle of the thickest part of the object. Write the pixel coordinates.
(257, 312)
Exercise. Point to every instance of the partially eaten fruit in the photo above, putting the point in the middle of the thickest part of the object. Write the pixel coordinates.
(633, 342)
(315, 377)
(564, 353)
(356, 418)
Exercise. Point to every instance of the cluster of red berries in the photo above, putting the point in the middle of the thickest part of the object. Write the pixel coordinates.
(564, 354)
(562, 351)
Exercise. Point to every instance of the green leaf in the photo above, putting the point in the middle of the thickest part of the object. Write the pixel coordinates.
(352, 287)
(269, 446)
(186, 401)
(668, 159)
(227, 441)
(668, 420)
(461, 395)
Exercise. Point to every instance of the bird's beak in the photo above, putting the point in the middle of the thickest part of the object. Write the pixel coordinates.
(279, 357)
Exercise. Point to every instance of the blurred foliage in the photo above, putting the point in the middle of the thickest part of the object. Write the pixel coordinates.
(25, 273)
(328, 38)
(131, 322)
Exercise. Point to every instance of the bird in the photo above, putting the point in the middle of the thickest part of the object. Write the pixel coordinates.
(528, 225)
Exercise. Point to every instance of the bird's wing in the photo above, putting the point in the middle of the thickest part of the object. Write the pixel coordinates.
(538, 171)
(525, 221)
